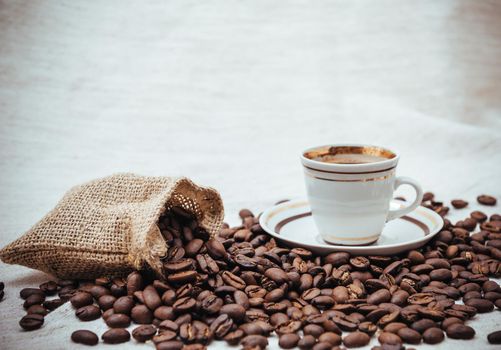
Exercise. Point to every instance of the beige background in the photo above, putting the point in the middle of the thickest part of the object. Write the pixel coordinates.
(229, 93)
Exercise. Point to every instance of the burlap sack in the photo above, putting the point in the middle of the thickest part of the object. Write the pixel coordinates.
(107, 227)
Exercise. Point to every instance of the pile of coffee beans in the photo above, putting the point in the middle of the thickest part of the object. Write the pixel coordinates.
(242, 286)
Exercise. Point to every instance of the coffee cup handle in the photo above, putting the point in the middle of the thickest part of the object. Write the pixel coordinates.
(403, 180)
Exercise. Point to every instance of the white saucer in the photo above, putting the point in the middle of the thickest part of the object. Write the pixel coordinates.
(291, 223)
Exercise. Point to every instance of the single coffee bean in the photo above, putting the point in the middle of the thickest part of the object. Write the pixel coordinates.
(81, 299)
(49, 288)
(233, 338)
(144, 333)
(379, 296)
(254, 341)
(460, 331)
(409, 335)
(367, 327)
(151, 298)
(356, 339)
(53, 304)
(118, 321)
(389, 338)
(98, 291)
(116, 336)
(31, 322)
(307, 342)
(235, 311)
(486, 200)
(215, 249)
(123, 305)
(26, 292)
(134, 283)
(289, 341)
(140, 314)
(179, 265)
(221, 326)
(277, 275)
(84, 337)
(34, 299)
(494, 337)
(481, 305)
(459, 203)
(88, 313)
(331, 338)
(441, 275)
(106, 302)
(182, 277)
(37, 309)
(433, 335)
(313, 329)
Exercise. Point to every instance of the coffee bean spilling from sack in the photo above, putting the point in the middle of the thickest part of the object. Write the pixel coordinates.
(242, 286)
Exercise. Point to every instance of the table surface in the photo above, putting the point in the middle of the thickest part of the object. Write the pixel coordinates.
(229, 93)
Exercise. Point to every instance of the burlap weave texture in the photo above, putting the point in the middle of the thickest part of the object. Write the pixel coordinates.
(108, 227)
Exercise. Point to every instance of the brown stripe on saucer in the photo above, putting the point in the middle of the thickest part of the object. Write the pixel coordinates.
(282, 223)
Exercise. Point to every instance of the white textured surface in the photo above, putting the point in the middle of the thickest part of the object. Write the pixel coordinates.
(228, 93)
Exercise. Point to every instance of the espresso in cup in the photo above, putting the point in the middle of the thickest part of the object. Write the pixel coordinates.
(350, 188)
(349, 155)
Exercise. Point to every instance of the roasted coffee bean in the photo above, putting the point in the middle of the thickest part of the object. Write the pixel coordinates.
(433, 335)
(459, 203)
(409, 335)
(37, 309)
(367, 327)
(423, 325)
(485, 199)
(169, 345)
(116, 336)
(179, 265)
(389, 338)
(34, 299)
(118, 321)
(221, 326)
(494, 337)
(233, 338)
(26, 292)
(81, 299)
(233, 280)
(313, 329)
(481, 305)
(307, 342)
(31, 322)
(106, 302)
(144, 333)
(254, 342)
(441, 275)
(84, 337)
(140, 314)
(356, 339)
(277, 275)
(88, 313)
(288, 341)
(460, 331)
(379, 296)
(134, 283)
(151, 298)
(98, 291)
(235, 311)
(49, 288)
(184, 305)
(331, 338)
(182, 277)
(53, 304)
(163, 336)
(215, 249)
(337, 259)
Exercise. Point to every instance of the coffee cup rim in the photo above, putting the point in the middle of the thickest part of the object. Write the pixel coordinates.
(389, 163)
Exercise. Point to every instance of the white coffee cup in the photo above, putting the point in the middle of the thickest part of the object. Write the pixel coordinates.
(350, 188)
